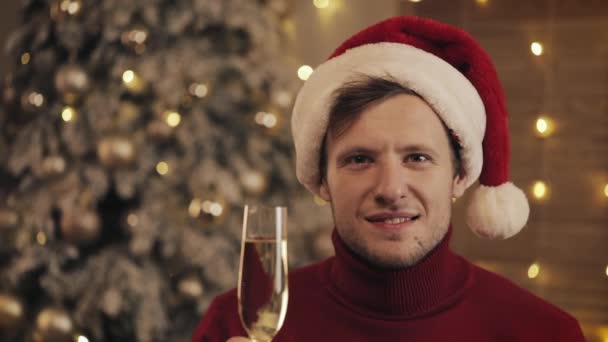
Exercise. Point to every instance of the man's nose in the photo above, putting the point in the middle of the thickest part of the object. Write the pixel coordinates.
(390, 183)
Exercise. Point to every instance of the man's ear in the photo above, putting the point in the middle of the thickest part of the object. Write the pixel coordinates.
(324, 191)
(458, 186)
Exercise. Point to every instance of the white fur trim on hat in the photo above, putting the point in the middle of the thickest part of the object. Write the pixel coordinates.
(497, 212)
(443, 87)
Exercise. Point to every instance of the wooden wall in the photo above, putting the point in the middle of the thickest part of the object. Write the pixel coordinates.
(567, 234)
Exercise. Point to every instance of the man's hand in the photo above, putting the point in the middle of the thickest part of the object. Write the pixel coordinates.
(238, 339)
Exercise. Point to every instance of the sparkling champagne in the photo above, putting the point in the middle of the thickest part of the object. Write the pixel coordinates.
(263, 290)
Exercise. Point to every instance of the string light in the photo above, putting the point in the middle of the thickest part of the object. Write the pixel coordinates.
(41, 238)
(194, 209)
(199, 90)
(606, 190)
(606, 271)
(536, 48)
(544, 126)
(415, 0)
(213, 208)
(25, 58)
(68, 114)
(172, 118)
(539, 190)
(482, 2)
(36, 99)
(304, 72)
(266, 119)
(128, 76)
(321, 3)
(162, 168)
(533, 271)
(81, 338)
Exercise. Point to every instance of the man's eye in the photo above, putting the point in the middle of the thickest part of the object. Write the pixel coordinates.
(417, 158)
(358, 159)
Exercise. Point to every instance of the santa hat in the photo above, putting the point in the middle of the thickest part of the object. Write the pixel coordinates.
(455, 76)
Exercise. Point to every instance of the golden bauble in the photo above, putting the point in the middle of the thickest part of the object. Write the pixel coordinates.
(11, 312)
(71, 81)
(80, 228)
(8, 219)
(52, 166)
(116, 151)
(254, 182)
(53, 325)
(190, 288)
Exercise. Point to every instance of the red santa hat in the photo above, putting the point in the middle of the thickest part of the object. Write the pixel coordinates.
(456, 77)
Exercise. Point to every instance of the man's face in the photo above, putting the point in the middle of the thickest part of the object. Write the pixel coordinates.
(390, 181)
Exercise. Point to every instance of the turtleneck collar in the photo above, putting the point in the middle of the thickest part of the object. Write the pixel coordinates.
(434, 283)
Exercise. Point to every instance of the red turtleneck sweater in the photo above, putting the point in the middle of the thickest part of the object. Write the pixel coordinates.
(442, 298)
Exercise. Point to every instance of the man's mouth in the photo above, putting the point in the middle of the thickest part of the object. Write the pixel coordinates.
(392, 218)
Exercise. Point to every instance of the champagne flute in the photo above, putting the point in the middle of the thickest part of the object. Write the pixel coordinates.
(262, 287)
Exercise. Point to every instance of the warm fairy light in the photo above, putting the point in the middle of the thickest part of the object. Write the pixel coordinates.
(544, 126)
(536, 48)
(68, 114)
(128, 76)
(270, 120)
(25, 58)
(539, 190)
(194, 209)
(36, 99)
(173, 118)
(266, 119)
(482, 2)
(321, 3)
(41, 238)
(216, 209)
(606, 190)
(162, 168)
(533, 271)
(80, 338)
(213, 208)
(606, 271)
(304, 72)
(415, 0)
(139, 36)
(199, 90)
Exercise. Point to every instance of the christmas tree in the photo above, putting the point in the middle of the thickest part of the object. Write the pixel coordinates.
(131, 135)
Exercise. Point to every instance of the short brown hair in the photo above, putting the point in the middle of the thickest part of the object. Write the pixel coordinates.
(354, 97)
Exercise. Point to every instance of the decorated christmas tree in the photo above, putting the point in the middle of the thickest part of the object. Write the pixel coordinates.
(131, 135)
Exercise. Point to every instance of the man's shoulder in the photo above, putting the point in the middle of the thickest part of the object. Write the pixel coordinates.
(506, 297)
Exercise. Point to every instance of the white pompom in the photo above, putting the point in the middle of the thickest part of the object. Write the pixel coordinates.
(498, 212)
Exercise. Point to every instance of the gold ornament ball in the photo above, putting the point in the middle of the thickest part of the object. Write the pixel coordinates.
(81, 228)
(8, 219)
(190, 287)
(116, 151)
(53, 325)
(11, 312)
(254, 182)
(72, 81)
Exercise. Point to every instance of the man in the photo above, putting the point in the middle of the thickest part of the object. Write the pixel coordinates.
(401, 119)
